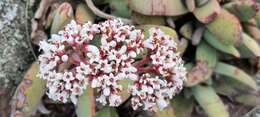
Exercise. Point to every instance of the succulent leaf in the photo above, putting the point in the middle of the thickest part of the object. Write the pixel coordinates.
(243, 9)
(186, 30)
(209, 101)
(86, 104)
(107, 112)
(182, 106)
(212, 40)
(226, 23)
(29, 92)
(167, 112)
(190, 4)
(235, 73)
(120, 8)
(63, 15)
(158, 7)
(207, 11)
(145, 19)
(250, 44)
(83, 14)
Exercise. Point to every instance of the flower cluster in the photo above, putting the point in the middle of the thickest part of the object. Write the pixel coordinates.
(101, 55)
(62, 64)
(167, 70)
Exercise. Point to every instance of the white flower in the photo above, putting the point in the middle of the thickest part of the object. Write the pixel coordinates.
(70, 62)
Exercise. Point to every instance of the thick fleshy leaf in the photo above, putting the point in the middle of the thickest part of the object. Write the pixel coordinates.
(190, 4)
(124, 93)
(120, 8)
(213, 41)
(63, 15)
(253, 31)
(182, 106)
(207, 12)
(235, 73)
(166, 112)
(230, 87)
(206, 59)
(83, 14)
(206, 53)
(186, 30)
(243, 9)
(145, 19)
(248, 99)
(209, 101)
(250, 44)
(107, 112)
(29, 93)
(86, 104)
(182, 45)
(257, 19)
(226, 28)
(158, 7)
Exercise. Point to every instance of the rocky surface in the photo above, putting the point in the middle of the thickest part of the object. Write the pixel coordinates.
(15, 54)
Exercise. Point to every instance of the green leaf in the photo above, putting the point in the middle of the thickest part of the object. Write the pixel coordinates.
(107, 112)
(29, 92)
(207, 12)
(250, 44)
(209, 101)
(186, 30)
(146, 19)
(158, 7)
(235, 73)
(248, 99)
(83, 14)
(63, 16)
(243, 9)
(124, 93)
(86, 104)
(226, 28)
(213, 41)
(120, 8)
(166, 112)
(182, 106)
(206, 53)
(206, 59)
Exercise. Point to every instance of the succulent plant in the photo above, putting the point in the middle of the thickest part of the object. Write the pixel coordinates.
(210, 35)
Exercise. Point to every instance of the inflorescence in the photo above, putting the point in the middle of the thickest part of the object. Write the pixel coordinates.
(101, 55)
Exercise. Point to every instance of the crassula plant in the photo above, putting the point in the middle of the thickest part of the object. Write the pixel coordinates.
(102, 55)
(110, 69)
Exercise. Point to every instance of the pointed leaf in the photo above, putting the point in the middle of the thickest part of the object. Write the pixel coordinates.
(86, 104)
(209, 101)
(206, 53)
(248, 99)
(182, 106)
(107, 112)
(166, 112)
(124, 93)
(83, 14)
(251, 45)
(212, 40)
(63, 16)
(235, 73)
(29, 92)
